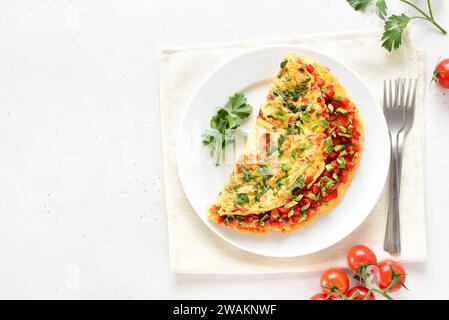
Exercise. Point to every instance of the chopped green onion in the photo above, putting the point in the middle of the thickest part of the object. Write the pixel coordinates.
(329, 144)
(291, 204)
(342, 111)
(329, 167)
(305, 207)
(290, 213)
(341, 162)
(309, 108)
(298, 197)
(313, 196)
(303, 218)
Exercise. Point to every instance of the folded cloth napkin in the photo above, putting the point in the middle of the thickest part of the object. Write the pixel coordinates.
(196, 249)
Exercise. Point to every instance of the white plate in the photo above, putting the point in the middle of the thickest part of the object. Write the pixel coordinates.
(202, 180)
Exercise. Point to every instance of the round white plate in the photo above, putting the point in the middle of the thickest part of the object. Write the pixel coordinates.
(251, 74)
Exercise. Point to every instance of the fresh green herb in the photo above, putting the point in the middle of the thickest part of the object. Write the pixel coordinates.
(300, 181)
(247, 175)
(304, 146)
(242, 198)
(282, 182)
(286, 167)
(283, 64)
(359, 4)
(324, 89)
(224, 125)
(396, 24)
(341, 162)
(261, 193)
(297, 92)
(281, 140)
(305, 117)
(381, 9)
(393, 30)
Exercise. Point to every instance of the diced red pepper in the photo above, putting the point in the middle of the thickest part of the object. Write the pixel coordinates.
(274, 214)
(310, 68)
(344, 102)
(283, 210)
(276, 224)
(309, 180)
(319, 82)
(220, 219)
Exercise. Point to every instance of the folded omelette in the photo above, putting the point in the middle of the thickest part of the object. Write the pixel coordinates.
(301, 156)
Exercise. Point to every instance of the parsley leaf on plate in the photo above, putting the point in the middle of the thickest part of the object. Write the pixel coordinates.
(394, 27)
(224, 125)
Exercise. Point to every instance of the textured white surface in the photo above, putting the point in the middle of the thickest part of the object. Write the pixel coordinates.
(82, 213)
(194, 249)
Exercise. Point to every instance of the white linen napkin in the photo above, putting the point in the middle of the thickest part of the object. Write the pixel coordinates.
(196, 249)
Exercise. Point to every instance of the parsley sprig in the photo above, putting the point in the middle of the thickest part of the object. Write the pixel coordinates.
(224, 125)
(396, 24)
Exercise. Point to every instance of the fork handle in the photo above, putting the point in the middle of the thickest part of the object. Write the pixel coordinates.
(392, 243)
(401, 138)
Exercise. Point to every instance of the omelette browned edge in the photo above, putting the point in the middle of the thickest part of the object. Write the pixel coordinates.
(301, 156)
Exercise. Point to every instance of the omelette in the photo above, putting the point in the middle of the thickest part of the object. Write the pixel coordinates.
(300, 157)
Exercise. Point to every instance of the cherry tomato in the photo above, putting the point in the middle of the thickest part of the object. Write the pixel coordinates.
(441, 74)
(384, 276)
(362, 293)
(320, 296)
(333, 279)
(359, 256)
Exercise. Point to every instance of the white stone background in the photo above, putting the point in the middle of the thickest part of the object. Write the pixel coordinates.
(82, 211)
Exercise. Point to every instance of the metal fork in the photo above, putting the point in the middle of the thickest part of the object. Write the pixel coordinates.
(394, 111)
(409, 117)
